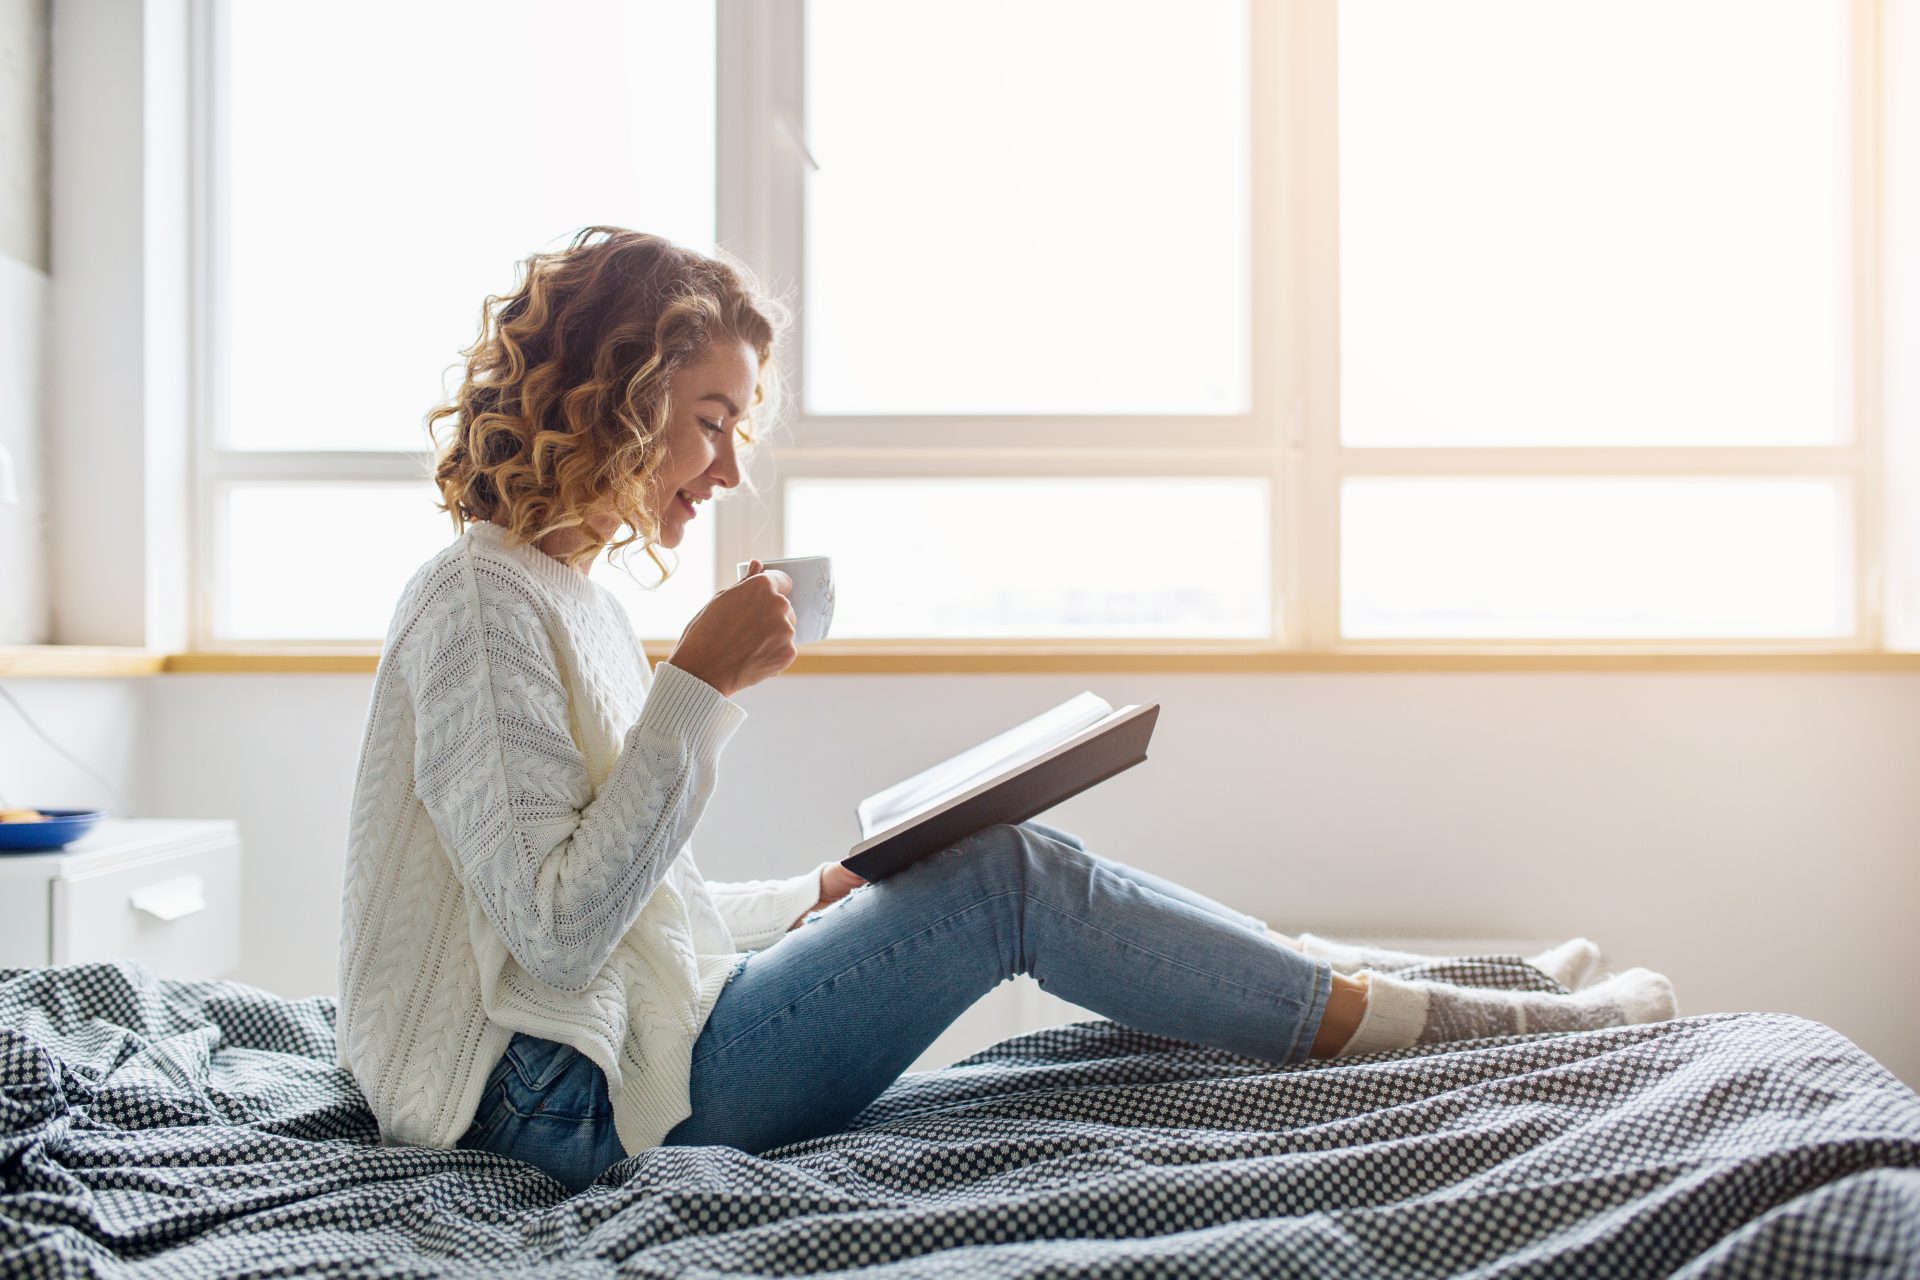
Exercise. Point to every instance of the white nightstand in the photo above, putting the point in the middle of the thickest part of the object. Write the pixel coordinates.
(163, 891)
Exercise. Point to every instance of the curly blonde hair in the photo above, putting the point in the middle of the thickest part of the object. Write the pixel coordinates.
(566, 389)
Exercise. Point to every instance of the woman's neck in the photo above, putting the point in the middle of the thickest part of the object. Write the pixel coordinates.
(562, 543)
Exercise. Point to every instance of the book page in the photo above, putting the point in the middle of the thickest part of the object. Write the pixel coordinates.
(934, 787)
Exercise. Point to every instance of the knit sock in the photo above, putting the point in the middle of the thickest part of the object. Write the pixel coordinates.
(1572, 964)
(1401, 1013)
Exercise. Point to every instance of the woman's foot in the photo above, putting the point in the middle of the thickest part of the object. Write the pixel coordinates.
(1400, 1013)
(1572, 964)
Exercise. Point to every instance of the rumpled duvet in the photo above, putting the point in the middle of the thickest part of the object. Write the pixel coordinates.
(165, 1128)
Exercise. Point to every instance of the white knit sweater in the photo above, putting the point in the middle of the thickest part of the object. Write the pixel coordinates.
(518, 855)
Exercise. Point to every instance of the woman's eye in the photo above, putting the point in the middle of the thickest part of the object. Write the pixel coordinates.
(713, 426)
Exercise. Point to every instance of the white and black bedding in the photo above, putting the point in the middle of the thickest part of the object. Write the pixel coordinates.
(159, 1128)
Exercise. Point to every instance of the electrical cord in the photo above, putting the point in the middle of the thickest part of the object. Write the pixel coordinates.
(72, 759)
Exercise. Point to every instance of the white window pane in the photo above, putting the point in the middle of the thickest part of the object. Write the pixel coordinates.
(1038, 556)
(272, 586)
(389, 164)
(1027, 206)
(662, 612)
(1604, 558)
(1593, 222)
(274, 581)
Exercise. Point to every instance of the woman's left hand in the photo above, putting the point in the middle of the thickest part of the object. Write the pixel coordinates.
(836, 882)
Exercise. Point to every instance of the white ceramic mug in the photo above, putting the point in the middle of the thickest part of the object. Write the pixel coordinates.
(812, 595)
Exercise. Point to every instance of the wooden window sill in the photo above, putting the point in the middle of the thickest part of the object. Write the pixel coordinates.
(1012, 658)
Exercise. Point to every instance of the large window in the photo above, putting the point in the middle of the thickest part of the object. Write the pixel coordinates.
(376, 170)
(1368, 324)
(1616, 227)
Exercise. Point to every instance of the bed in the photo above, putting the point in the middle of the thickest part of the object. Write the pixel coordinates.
(151, 1127)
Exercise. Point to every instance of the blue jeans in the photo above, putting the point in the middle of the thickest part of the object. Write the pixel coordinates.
(809, 1031)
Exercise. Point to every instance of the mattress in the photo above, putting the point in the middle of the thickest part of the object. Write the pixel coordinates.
(151, 1127)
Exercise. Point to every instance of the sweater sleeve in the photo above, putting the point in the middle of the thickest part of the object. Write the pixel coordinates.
(757, 912)
(560, 871)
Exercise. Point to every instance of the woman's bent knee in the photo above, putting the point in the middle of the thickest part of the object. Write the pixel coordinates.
(1008, 858)
(1055, 834)
(994, 863)
(1027, 854)
(1027, 851)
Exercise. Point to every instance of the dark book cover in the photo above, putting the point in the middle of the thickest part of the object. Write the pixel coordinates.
(1019, 792)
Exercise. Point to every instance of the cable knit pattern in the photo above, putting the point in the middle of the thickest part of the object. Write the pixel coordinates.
(518, 856)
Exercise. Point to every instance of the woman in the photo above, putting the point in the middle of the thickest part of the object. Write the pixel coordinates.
(533, 964)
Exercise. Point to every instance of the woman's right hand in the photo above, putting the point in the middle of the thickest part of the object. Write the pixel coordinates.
(744, 635)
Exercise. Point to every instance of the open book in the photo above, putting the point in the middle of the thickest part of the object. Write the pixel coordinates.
(1010, 778)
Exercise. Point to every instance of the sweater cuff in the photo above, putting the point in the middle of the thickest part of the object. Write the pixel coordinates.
(684, 708)
(757, 912)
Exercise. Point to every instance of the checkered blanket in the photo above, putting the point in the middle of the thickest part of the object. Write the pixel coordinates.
(163, 1128)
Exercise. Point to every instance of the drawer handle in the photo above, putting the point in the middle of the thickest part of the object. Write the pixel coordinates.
(171, 899)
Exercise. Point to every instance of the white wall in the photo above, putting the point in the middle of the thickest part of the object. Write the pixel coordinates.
(1757, 837)
(118, 441)
(23, 313)
(1900, 315)
(23, 393)
(99, 721)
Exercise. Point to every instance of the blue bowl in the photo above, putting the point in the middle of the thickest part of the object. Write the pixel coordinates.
(61, 828)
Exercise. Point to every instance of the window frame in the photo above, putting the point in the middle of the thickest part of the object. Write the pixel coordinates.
(1289, 436)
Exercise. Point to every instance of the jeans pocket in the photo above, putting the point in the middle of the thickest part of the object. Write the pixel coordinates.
(487, 1117)
(571, 1150)
(556, 1081)
(536, 1062)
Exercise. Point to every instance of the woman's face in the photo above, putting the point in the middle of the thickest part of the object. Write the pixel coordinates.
(710, 397)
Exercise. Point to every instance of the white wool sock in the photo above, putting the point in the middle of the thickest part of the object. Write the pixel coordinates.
(1572, 964)
(1396, 1011)
(1402, 1013)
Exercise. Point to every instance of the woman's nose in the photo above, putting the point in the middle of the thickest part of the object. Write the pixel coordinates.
(726, 467)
